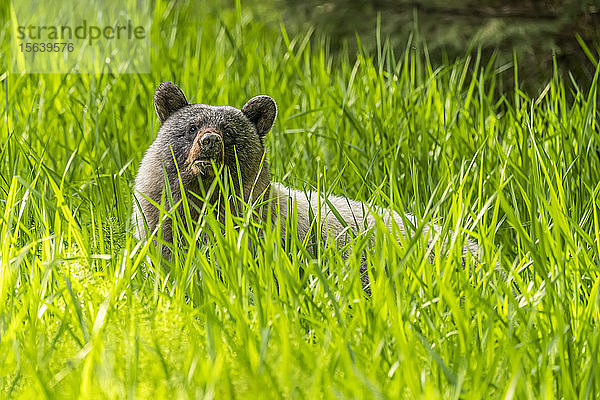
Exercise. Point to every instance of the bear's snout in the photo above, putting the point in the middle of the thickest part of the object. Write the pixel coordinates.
(207, 147)
(211, 143)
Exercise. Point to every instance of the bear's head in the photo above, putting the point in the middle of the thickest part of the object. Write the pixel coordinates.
(197, 139)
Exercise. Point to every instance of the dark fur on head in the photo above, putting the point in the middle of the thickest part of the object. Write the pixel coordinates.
(191, 138)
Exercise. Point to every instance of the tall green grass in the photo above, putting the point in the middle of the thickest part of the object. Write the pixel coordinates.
(88, 312)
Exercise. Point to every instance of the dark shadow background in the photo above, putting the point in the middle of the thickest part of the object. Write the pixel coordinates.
(535, 32)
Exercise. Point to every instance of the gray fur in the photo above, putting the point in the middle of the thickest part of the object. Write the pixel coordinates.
(170, 151)
(168, 98)
(261, 111)
(242, 132)
(357, 217)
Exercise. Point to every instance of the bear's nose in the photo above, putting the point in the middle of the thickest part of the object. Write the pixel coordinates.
(210, 141)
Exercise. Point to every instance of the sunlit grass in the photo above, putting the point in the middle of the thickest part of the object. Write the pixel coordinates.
(86, 311)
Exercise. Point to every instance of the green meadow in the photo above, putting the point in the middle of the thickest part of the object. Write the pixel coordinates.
(86, 311)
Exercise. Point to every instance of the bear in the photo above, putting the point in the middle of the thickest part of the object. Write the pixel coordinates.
(190, 139)
(193, 137)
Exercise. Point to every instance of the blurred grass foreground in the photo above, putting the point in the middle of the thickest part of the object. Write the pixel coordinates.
(88, 312)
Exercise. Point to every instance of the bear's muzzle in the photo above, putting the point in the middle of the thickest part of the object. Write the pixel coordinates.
(208, 147)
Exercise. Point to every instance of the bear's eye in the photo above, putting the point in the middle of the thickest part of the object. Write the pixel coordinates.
(228, 135)
(192, 130)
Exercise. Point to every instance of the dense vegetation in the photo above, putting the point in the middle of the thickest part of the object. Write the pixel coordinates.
(538, 33)
(88, 312)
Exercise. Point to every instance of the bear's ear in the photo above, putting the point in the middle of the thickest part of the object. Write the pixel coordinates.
(261, 111)
(168, 98)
